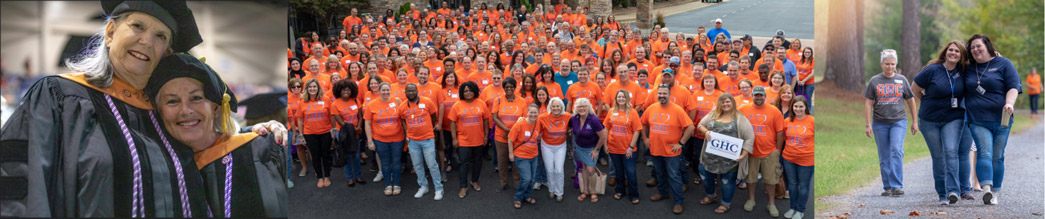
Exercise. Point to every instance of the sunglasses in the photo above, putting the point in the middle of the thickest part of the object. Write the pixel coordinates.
(295, 86)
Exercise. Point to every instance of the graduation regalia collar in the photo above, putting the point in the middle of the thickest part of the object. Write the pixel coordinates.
(221, 148)
(119, 89)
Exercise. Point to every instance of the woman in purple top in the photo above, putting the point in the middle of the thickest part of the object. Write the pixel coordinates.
(588, 135)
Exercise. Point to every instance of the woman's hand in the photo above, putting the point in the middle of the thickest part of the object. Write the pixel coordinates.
(675, 148)
(868, 131)
(370, 145)
(914, 128)
(627, 153)
(1008, 108)
(595, 154)
(277, 129)
(511, 158)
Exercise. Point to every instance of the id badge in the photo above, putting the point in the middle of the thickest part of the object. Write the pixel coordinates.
(980, 89)
(954, 103)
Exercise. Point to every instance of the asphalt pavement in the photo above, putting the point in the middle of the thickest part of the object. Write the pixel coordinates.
(368, 201)
(760, 18)
(1022, 196)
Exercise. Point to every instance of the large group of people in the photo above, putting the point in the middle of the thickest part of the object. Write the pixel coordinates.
(446, 86)
(962, 102)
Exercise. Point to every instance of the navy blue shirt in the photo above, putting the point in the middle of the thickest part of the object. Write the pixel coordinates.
(996, 77)
(940, 86)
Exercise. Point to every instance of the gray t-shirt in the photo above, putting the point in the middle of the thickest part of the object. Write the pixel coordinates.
(888, 95)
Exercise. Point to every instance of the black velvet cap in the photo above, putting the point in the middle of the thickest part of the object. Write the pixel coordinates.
(173, 13)
(184, 65)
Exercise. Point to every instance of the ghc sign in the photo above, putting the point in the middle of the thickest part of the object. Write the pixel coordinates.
(724, 145)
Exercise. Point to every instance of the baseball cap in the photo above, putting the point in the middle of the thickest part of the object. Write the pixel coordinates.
(758, 90)
(746, 37)
(780, 32)
(718, 20)
(674, 60)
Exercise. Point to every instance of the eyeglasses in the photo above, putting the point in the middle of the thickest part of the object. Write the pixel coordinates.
(295, 86)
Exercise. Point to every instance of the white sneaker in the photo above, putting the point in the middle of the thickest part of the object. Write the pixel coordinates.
(994, 201)
(789, 213)
(798, 215)
(988, 197)
(379, 177)
(537, 186)
(421, 192)
(290, 184)
(439, 195)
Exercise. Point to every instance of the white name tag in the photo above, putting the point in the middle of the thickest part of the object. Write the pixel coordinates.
(569, 82)
(898, 81)
(485, 82)
(616, 114)
(320, 102)
(422, 106)
(438, 68)
(354, 107)
(527, 133)
(700, 98)
(392, 105)
(453, 95)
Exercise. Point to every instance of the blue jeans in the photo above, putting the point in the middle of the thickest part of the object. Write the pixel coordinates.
(798, 183)
(1034, 103)
(290, 156)
(626, 174)
(943, 139)
(353, 169)
(889, 137)
(540, 176)
(990, 139)
(422, 152)
(965, 165)
(809, 95)
(527, 168)
(390, 153)
(729, 183)
(669, 180)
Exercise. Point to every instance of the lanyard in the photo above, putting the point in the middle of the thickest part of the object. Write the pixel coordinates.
(950, 80)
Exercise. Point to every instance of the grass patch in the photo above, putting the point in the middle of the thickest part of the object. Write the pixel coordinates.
(846, 158)
(1022, 121)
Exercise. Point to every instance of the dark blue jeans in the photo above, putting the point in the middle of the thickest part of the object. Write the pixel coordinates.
(798, 182)
(471, 158)
(1034, 103)
(626, 173)
(391, 166)
(943, 139)
(669, 180)
(527, 168)
(990, 139)
(729, 183)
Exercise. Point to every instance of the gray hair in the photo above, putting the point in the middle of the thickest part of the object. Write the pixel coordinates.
(93, 60)
(888, 53)
(555, 101)
(582, 102)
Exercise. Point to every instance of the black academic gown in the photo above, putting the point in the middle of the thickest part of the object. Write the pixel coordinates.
(258, 183)
(64, 154)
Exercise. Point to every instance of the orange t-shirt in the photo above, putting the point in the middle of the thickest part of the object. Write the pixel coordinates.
(645, 65)
(524, 140)
(347, 110)
(771, 95)
(469, 118)
(730, 85)
(293, 100)
(742, 100)
(491, 94)
(666, 124)
(609, 96)
(384, 120)
(1033, 84)
(432, 91)
(483, 79)
(679, 96)
(622, 128)
(806, 70)
(554, 90)
(766, 121)
(703, 103)
(777, 65)
(449, 98)
(508, 113)
(591, 91)
(398, 91)
(435, 69)
(553, 129)
(316, 116)
(324, 82)
(718, 74)
(418, 118)
(794, 55)
(800, 137)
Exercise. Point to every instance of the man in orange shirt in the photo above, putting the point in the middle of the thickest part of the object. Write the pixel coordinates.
(1034, 89)
(679, 95)
(730, 83)
(636, 93)
(418, 115)
(641, 60)
(669, 128)
(314, 72)
(584, 88)
(351, 20)
(768, 125)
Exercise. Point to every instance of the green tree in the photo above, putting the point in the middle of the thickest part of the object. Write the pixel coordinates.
(884, 28)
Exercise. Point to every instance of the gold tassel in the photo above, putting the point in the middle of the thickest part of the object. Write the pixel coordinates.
(226, 115)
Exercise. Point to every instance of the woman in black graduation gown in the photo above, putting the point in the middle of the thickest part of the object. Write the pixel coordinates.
(244, 174)
(88, 144)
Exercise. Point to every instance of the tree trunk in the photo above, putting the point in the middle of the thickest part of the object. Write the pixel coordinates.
(845, 45)
(910, 52)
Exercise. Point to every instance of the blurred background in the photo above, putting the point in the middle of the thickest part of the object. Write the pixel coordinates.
(244, 41)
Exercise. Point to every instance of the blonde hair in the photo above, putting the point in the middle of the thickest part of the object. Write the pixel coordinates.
(308, 97)
(627, 101)
(582, 102)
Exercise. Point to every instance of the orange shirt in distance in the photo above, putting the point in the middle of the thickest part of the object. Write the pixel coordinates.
(316, 116)
(418, 117)
(730, 85)
(469, 119)
(622, 128)
(384, 120)
(347, 110)
(552, 128)
(591, 91)
(1033, 84)
(508, 112)
(554, 90)
(800, 137)
(449, 98)
(609, 96)
(483, 79)
(324, 82)
(806, 70)
(679, 96)
(766, 122)
(666, 124)
(293, 100)
(525, 140)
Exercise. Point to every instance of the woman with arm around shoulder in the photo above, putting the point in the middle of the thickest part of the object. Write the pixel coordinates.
(798, 156)
(589, 135)
(886, 94)
(524, 145)
(727, 120)
(992, 86)
(940, 90)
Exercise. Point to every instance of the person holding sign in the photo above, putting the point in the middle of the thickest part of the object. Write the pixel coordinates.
(669, 127)
(798, 156)
(768, 126)
(724, 119)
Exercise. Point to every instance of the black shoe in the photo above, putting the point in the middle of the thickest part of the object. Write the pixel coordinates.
(350, 184)
(887, 192)
(897, 192)
(360, 181)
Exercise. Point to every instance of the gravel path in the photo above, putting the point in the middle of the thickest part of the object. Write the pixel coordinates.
(1023, 167)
